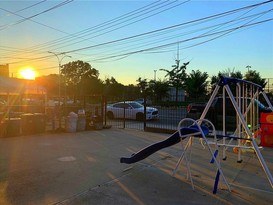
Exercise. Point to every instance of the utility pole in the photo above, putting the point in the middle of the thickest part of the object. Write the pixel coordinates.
(155, 75)
(177, 57)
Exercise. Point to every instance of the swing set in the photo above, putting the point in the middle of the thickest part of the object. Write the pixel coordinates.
(244, 96)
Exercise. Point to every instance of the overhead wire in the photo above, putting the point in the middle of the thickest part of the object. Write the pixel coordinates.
(130, 14)
(115, 25)
(182, 41)
(222, 24)
(155, 48)
(23, 9)
(42, 24)
(78, 34)
(168, 28)
(122, 26)
(212, 28)
(2, 27)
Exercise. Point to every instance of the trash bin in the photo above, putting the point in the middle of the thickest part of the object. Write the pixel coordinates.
(39, 122)
(28, 124)
(13, 127)
(81, 120)
(71, 122)
(81, 123)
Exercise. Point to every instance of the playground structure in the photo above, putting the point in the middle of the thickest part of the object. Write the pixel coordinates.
(244, 96)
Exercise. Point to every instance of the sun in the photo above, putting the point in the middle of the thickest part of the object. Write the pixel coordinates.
(28, 73)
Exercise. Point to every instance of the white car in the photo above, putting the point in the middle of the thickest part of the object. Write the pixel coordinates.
(141, 101)
(131, 110)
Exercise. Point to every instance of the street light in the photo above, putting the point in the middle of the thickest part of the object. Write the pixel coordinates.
(59, 64)
(155, 75)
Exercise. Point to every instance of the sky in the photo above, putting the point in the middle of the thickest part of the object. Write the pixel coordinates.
(131, 39)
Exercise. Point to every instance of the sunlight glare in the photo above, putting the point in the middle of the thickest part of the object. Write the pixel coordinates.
(28, 73)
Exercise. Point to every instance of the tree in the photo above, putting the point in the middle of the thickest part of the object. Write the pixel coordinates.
(227, 73)
(254, 76)
(78, 76)
(113, 89)
(91, 86)
(177, 77)
(143, 85)
(132, 91)
(159, 89)
(196, 84)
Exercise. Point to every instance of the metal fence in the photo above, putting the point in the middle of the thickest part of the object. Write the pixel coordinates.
(88, 114)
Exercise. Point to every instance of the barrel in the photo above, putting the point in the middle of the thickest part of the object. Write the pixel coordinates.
(81, 123)
(28, 124)
(13, 127)
(39, 122)
(71, 122)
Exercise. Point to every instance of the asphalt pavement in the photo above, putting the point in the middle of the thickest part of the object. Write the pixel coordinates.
(84, 168)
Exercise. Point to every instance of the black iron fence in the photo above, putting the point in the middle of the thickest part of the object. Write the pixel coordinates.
(92, 112)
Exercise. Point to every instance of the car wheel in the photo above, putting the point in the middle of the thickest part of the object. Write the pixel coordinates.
(140, 116)
(110, 115)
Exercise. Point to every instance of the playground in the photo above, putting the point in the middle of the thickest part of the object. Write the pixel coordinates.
(197, 164)
(84, 168)
(253, 126)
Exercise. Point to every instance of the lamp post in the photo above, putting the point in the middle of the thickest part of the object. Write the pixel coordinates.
(155, 75)
(59, 64)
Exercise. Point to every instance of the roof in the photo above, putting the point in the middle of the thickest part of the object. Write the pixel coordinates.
(19, 86)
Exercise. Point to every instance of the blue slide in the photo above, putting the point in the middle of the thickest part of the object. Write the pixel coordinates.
(173, 139)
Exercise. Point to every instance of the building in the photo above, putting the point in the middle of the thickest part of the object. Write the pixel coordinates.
(4, 70)
(20, 95)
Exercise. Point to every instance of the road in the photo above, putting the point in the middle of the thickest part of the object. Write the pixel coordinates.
(168, 119)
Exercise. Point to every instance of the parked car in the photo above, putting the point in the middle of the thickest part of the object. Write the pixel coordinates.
(215, 112)
(141, 101)
(131, 110)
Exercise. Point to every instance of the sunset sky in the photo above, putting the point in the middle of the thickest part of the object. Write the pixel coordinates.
(132, 39)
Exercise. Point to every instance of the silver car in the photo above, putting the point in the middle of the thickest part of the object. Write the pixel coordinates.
(131, 110)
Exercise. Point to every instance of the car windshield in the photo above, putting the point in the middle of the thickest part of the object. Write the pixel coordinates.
(135, 105)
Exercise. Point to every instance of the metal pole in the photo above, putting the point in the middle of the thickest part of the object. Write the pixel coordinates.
(59, 64)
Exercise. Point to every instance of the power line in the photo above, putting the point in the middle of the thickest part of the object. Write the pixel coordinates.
(166, 29)
(35, 15)
(183, 41)
(170, 27)
(111, 26)
(28, 7)
(29, 19)
(130, 14)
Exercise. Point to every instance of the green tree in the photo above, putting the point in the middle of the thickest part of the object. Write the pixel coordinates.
(143, 85)
(132, 91)
(78, 76)
(159, 90)
(254, 76)
(227, 73)
(113, 89)
(196, 84)
(177, 76)
(91, 86)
